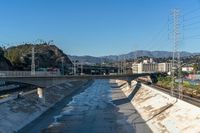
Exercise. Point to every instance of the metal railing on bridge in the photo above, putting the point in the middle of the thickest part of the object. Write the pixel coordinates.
(28, 73)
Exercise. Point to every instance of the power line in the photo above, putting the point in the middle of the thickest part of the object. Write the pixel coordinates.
(157, 36)
(191, 24)
(193, 36)
(192, 11)
(191, 18)
(191, 28)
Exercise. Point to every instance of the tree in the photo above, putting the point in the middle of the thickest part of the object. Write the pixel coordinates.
(1, 51)
(195, 68)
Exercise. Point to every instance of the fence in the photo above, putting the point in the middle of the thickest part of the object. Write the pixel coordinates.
(28, 73)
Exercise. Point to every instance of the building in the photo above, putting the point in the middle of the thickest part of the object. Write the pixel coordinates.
(150, 67)
(135, 67)
(144, 67)
(164, 67)
(187, 69)
(148, 61)
(193, 76)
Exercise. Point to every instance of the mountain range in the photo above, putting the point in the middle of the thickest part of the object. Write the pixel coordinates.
(131, 55)
(19, 57)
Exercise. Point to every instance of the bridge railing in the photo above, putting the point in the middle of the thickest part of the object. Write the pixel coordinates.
(28, 73)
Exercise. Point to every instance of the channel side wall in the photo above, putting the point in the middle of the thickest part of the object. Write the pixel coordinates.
(16, 113)
(162, 112)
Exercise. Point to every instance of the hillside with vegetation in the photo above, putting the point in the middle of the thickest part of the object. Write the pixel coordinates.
(46, 56)
(4, 63)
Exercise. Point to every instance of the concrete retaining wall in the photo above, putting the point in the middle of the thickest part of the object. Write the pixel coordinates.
(14, 96)
(15, 114)
(161, 112)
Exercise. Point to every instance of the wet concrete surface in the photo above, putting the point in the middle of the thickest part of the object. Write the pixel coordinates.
(101, 108)
(48, 117)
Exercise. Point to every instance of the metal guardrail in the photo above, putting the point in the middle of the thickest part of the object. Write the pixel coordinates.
(27, 73)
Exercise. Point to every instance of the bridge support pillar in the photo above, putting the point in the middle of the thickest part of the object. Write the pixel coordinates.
(129, 83)
(41, 94)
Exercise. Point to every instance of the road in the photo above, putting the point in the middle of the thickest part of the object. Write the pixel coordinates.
(101, 108)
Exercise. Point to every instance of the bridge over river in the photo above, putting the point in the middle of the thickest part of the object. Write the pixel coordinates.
(105, 106)
(45, 80)
(109, 104)
(48, 79)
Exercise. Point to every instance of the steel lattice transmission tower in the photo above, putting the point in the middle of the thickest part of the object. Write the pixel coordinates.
(33, 61)
(176, 59)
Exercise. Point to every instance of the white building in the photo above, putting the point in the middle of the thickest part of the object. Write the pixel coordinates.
(148, 61)
(144, 67)
(135, 67)
(164, 67)
(151, 67)
(187, 69)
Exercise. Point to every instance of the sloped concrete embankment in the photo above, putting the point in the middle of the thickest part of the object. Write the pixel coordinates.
(17, 113)
(161, 112)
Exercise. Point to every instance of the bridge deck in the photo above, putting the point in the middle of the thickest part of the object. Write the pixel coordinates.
(50, 80)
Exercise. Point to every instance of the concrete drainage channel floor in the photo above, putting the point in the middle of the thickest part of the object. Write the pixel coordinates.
(101, 108)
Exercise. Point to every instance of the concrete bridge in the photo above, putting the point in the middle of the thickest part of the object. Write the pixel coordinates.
(46, 80)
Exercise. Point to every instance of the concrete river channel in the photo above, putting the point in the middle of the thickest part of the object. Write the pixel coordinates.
(100, 108)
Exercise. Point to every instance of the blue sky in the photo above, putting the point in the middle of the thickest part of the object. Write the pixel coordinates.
(99, 27)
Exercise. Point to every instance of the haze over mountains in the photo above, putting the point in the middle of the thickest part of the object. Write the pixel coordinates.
(131, 55)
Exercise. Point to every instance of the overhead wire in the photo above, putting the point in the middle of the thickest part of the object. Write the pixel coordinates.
(157, 36)
(191, 24)
(191, 18)
(191, 11)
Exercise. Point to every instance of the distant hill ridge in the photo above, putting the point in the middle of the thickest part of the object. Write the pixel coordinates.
(19, 57)
(131, 55)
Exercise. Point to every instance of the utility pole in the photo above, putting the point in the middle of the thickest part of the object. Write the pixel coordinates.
(118, 65)
(33, 61)
(81, 67)
(74, 67)
(136, 56)
(101, 73)
(62, 60)
(176, 65)
(124, 65)
(121, 67)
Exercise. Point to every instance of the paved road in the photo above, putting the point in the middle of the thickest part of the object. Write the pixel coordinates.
(101, 108)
